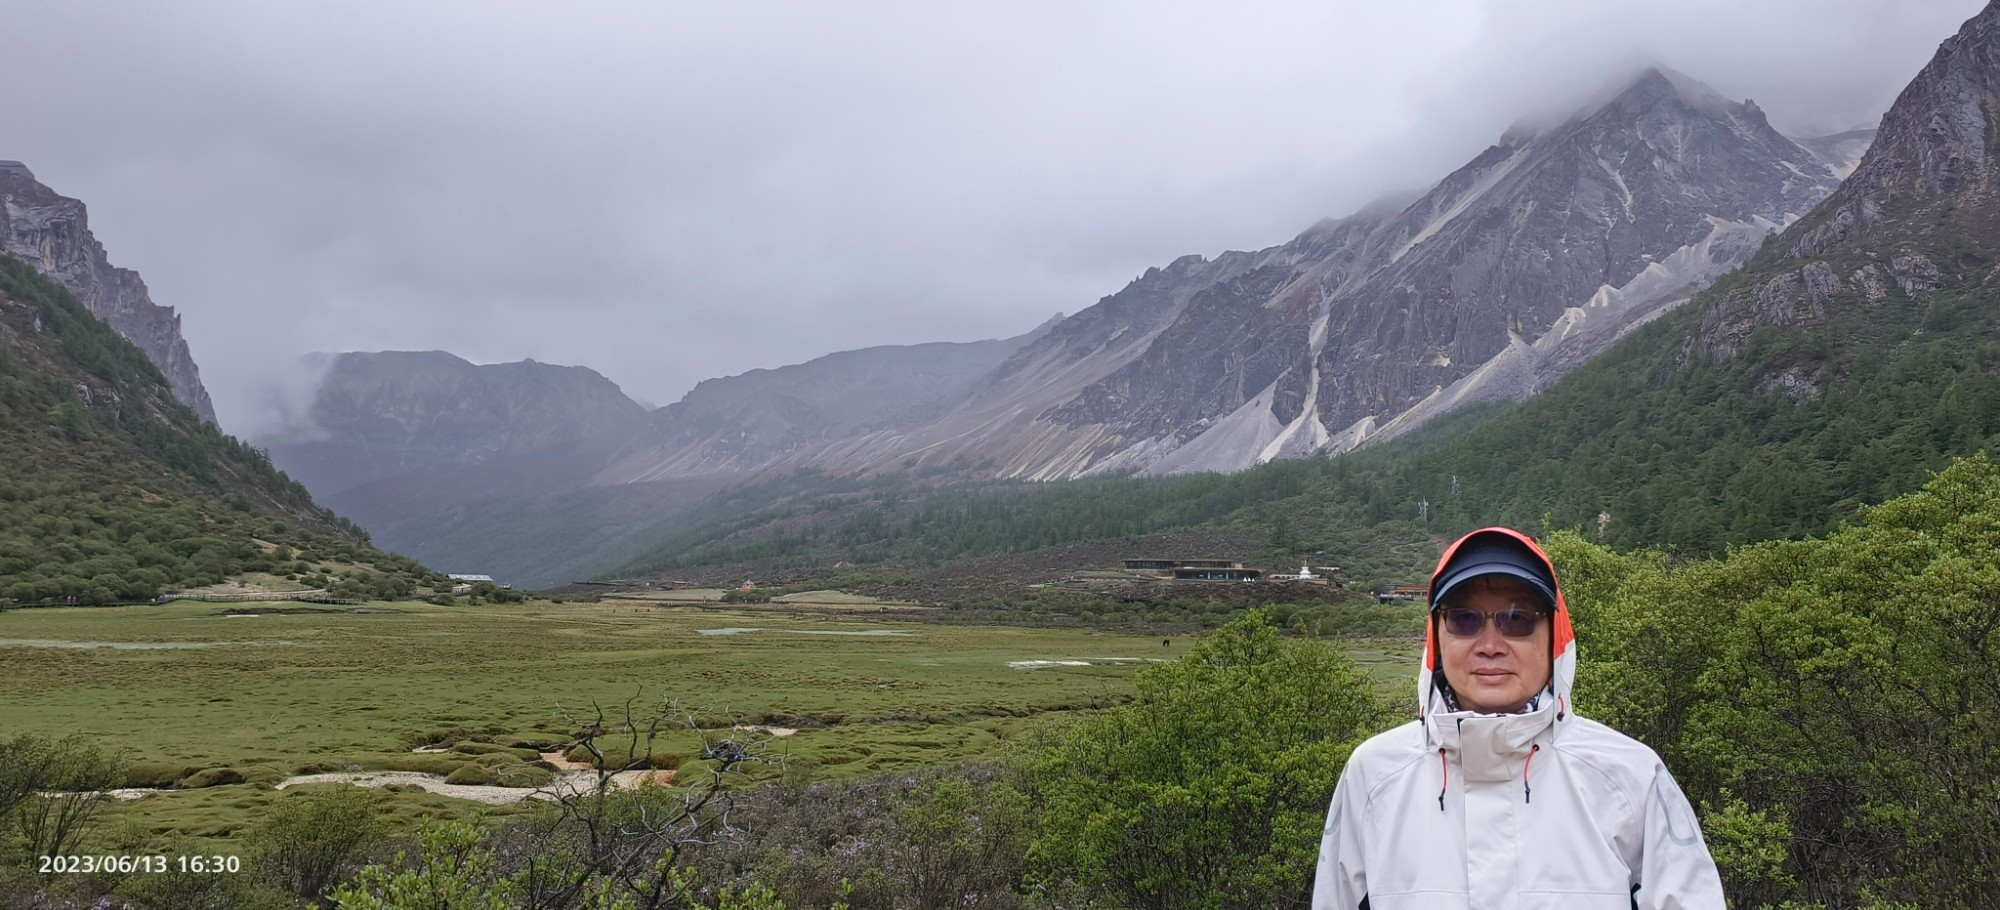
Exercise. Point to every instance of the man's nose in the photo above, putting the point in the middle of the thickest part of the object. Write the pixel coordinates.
(1490, 642)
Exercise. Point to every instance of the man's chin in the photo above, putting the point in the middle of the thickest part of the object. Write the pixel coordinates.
(1499, 698)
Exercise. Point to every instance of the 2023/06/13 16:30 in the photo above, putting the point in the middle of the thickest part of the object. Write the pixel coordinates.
(88, 864)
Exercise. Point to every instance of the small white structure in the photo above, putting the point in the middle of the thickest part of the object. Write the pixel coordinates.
(1305, 575)
(467, 581)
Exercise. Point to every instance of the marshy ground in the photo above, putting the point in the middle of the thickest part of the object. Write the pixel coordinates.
(188, 687)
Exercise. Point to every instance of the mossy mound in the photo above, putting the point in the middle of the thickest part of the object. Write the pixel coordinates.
(211, 777)
(470, 747)
(523, 776)
(156, 775)
(474, 775)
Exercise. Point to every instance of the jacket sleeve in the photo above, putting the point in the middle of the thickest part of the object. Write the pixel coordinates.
(1341, 881)
(1675, 871)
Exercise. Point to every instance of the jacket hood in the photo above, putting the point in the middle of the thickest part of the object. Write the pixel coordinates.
(1562, 642)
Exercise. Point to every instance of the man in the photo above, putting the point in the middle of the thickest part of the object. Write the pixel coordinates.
(1499, 795)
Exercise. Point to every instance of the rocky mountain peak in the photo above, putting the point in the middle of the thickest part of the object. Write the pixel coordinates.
(1524, 262)
(1919, 209)
(1931, 143)
(1657, 83)
(51, 232)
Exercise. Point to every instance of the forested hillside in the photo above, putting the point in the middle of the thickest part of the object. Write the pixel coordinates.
(116, 491)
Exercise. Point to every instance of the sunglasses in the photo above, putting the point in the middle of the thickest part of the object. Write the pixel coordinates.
(1513, 622)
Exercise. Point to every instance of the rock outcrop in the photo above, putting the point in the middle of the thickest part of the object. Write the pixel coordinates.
(1920, 211)
(52, 233)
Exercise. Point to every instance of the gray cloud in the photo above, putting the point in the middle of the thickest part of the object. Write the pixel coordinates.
(668, 192)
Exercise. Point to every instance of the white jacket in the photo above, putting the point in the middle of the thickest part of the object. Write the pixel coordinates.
(1510, 812)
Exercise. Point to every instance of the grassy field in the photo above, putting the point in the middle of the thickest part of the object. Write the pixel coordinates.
(270, 696)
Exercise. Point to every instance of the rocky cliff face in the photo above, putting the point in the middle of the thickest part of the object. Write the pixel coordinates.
(1920, 212)
(1554, 238)
(52, 233)
(390, 414)
(1533, 257)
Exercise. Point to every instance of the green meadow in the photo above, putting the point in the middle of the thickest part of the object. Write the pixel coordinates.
(184, 687)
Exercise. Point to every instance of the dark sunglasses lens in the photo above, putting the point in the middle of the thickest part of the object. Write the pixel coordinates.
(1464, 623)
(1511, 623)
(1516, 623)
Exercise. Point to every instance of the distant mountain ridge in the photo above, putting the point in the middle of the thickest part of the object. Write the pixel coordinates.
(742, 423)
(51, 232)
(378, 415)
(434, 454)
(1539, 253)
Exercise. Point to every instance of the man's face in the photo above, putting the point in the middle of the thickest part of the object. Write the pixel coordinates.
(1491, 672)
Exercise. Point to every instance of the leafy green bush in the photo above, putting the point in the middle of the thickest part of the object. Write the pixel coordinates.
(177, 888)
(52, 790)
(1832, 704)
(308, 840)
(952, 837)
(1211, 787)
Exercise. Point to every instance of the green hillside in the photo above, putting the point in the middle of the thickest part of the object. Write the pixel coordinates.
(115, 491)
(1697, 456)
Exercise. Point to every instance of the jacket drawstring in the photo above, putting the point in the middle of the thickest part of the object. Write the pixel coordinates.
(1527, 792)
(1444, 767)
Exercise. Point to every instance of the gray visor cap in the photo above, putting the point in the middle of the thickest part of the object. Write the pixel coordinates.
(1495, 555)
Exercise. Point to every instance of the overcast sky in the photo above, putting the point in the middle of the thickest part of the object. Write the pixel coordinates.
(668, 192)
